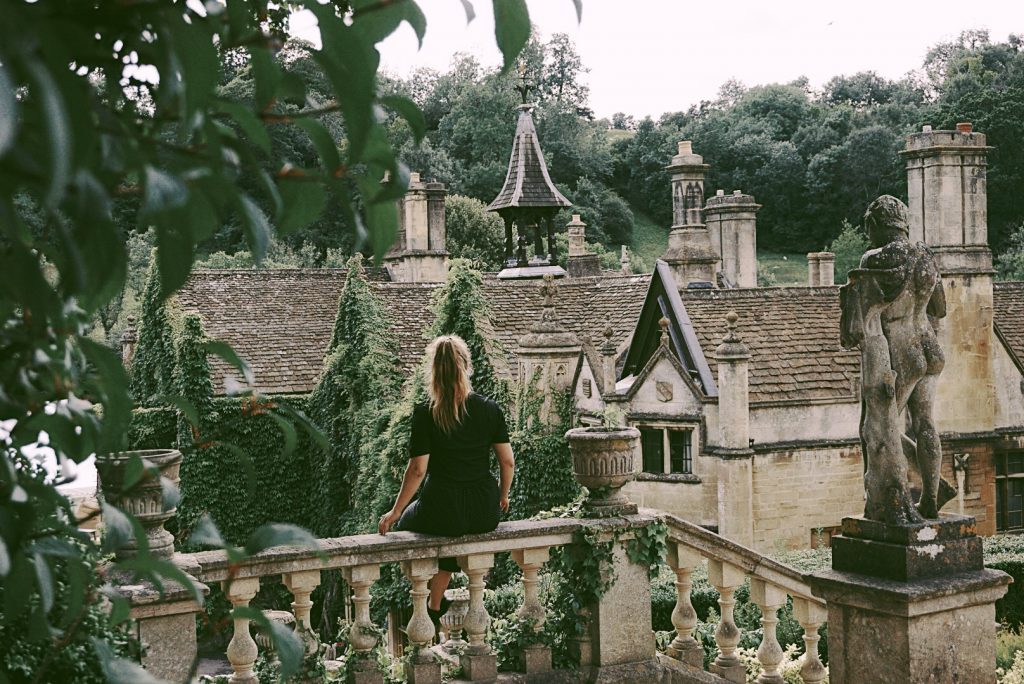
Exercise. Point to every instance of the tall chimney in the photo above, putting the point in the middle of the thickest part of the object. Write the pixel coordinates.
(732, 228)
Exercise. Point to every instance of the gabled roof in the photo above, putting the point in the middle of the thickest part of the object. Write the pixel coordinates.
(281, 320)
(1008, 313)
(793, 337)
(663, 351)
(662, 300)
(527, 183)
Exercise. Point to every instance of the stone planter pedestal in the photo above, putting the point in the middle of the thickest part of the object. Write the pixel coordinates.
(603, 461)
(910, 603)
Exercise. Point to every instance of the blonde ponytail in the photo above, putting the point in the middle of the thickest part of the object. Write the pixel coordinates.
(448, 371)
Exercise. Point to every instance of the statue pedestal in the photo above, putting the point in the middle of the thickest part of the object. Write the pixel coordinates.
(910, 603)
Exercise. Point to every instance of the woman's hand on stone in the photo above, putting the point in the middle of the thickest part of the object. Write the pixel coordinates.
(387, 520)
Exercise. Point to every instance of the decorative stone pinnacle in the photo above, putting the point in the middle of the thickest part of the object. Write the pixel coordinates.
(548, 290)
(663, 324)
(730, 323)
(608, 347)
(524, 86)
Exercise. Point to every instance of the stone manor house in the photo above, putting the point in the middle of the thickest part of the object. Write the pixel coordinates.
(747, 405)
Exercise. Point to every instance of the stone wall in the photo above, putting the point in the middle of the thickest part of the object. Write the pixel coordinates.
(980, 485)
(693, 501)
(799, 490)
(804, 422)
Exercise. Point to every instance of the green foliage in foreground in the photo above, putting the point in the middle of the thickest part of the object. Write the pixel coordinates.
(1010, 264)
(161, 144)
(849, 246)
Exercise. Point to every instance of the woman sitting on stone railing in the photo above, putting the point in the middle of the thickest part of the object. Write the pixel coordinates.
(451, 442)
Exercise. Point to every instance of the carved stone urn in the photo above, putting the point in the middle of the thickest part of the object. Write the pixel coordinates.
(454, 620)
(143, 498)
(603, 460)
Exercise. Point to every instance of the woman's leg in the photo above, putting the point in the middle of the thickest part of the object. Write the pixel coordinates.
(438, 585)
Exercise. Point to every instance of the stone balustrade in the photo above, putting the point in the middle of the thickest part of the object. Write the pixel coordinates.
(618, 644)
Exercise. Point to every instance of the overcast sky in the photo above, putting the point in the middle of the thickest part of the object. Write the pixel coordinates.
(655, 56)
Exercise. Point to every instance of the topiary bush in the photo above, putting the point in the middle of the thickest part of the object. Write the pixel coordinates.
(1006, 552)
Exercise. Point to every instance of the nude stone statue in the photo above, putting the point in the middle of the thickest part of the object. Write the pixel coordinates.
(890, 310)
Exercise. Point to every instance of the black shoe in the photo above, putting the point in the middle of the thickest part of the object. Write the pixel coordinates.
(435, 615)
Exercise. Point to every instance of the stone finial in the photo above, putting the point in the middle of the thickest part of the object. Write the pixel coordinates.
(732, 347)
(548, 290)
(731, 319)
(129, 338)
(608, 346)
(663, 324)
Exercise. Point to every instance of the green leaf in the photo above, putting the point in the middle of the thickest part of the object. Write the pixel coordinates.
(248, 122)
(113, 383)
(58, 129)
(323, 142)
(117, 528)
(119, 670)
(169, 494)
(194, 48)
(45, 581)
(8, 113)
(5, 559)
(408, 110)
(224, 351)
(267, 75)
(205, 533)
(174, 253)
(303, 200)
(382, 226)
(292, 89)
(161, 192)
(378, 20)
(257, 227)
(288, 430)
(287, 645)
(279, 534)
(470, 12)
(579, 10)
(511, 28)
(186, 407)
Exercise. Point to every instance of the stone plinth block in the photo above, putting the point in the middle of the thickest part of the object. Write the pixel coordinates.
(424, 672)
(908, 552)
(536, 659)
(737, 674)
(621, 622)
(935, 629)
(480, 668)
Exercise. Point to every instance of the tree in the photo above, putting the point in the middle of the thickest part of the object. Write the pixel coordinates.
(1010, 264)
(359, 379)
(474, 233)
(140, 115)
(152, 376)
(849, 246)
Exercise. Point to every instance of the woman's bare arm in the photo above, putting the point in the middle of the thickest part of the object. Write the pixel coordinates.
(414, 474)
(507, 462)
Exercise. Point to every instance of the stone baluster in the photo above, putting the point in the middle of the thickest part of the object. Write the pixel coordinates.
(242, 649)
(478, 663)
(536, 657)
(363, 635)
(727, 579)
(811, 617)
(769, 598)
(301, 584)
(420, 630)
(684, 647)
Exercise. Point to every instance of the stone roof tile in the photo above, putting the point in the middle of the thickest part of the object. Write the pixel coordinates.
(1008, 300)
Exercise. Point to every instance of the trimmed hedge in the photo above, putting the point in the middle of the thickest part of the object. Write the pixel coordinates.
(1006, 553)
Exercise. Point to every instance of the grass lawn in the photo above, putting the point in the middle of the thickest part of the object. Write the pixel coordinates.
(650, 241)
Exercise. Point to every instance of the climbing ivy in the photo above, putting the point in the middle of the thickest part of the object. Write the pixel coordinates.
(649, 546)
(544, 477)
(151, 374)
(192, 382)
(351, 399)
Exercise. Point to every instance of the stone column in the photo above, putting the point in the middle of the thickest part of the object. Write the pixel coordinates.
(301, 585)
(811, 617)
(548, 353)
(735, 467)
(947, 198)
(478, 663)
(821, 269)
(242, 649)
(363, 635)
(129, 338)
(420, 630)
(689, 252)
(684, 560)
(732, 228)
(727, 579)
(769, 599)
(910, 603)
(536, 657)
(580, 262)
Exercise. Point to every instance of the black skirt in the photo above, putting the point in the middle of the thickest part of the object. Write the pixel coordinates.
(453, 509)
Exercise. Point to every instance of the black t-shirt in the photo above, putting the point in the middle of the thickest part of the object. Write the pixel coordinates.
(463, 455)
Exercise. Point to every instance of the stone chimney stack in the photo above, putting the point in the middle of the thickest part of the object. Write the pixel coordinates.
(946, 189)
(689, 253)
(580, 262)
(821, 269)
(732, 227)
(735, 471)
(625, 263)
(419, 254)
(608, 350)
(129, 338)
